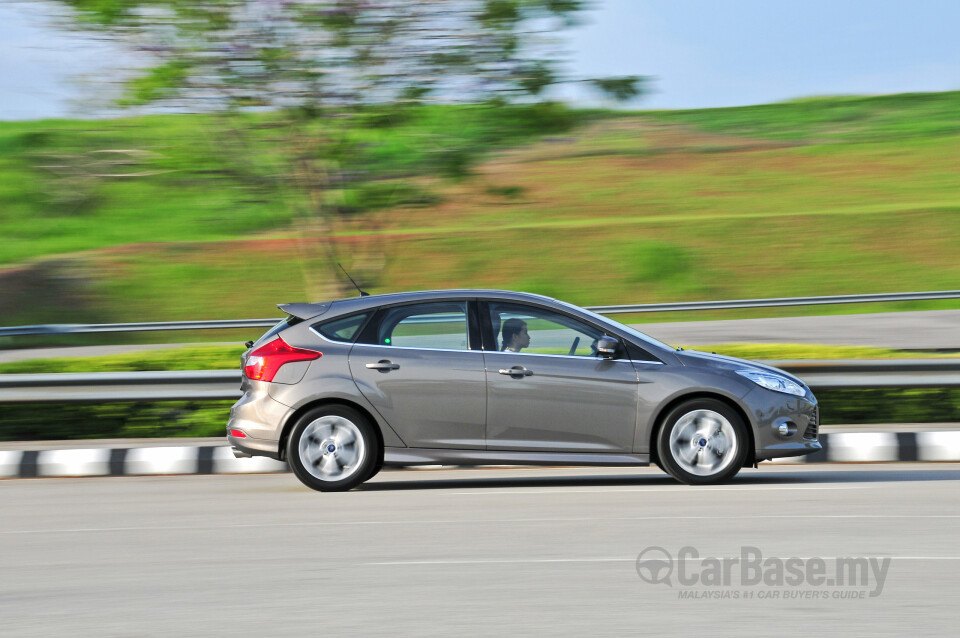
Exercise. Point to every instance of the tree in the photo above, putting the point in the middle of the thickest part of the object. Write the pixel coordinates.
(322, 69)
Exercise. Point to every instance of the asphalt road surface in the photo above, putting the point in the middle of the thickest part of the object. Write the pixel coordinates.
(480, 552)
(922, 330)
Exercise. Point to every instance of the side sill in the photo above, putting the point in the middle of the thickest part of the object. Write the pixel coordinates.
(399, 457)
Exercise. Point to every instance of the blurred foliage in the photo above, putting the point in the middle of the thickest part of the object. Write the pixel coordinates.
(179, 185)
(889, 405)
(61, 421)
(508, 192)
(621, 89)
(352, 65)
(385, 194)
(184, 358)
(157, 83)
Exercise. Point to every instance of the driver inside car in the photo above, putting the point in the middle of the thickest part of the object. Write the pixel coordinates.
(515, 336)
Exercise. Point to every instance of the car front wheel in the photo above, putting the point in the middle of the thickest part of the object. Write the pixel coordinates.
(332, 449)
(702, 441)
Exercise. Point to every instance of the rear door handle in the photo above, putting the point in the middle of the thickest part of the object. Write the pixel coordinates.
(384, 365)
(516, 371)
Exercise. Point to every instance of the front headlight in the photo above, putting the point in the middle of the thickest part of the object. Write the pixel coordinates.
(774, 382)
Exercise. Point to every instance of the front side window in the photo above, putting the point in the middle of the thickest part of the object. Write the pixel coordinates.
(532, 330)
(441, 325)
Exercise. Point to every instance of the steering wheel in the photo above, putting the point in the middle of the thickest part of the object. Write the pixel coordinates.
(573, 348)
(593, 348)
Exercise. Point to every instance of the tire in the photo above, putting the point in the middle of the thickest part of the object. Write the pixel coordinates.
(332, 449)
(701, 442)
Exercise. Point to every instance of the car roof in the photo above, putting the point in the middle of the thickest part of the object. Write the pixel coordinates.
(341, 307)
(355, 304)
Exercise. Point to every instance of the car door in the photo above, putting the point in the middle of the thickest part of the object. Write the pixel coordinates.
(415, 364)
(555, 393)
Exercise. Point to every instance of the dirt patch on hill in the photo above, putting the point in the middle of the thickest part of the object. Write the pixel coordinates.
(52, 291)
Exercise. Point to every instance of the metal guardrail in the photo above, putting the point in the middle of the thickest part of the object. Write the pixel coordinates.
(101, 387)
(225, 384)
(881, 373)
(96, 328)
(69, 328)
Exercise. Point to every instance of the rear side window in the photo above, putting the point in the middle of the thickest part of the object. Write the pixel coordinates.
(438, 325)
(342, 329)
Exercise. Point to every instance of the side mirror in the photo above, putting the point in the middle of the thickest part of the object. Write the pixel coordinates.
(607, 347)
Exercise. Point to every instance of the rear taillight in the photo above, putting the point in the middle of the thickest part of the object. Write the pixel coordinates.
(264, 362)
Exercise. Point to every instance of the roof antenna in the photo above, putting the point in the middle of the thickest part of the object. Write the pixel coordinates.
(362, 294)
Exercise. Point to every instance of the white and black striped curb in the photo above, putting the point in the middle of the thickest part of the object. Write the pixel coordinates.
(136, 461)
(884, 447)
(838, 447)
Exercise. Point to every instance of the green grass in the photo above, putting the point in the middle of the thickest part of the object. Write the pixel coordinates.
(185, 358)
(786, 351)
(854, 195)
(834, 119)
(65, 186)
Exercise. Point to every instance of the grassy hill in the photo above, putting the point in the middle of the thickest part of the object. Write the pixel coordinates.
(151, 219)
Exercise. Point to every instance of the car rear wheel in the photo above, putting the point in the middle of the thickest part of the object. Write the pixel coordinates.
(332, 449)
(702, 441)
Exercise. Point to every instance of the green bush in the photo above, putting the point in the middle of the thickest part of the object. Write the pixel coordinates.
(59, 421)
(889, 405)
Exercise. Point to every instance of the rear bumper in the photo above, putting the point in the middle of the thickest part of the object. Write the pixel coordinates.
(247, 446)
(261, 419)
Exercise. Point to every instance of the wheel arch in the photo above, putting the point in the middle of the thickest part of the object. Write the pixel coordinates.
(702, 394)
(319, 403)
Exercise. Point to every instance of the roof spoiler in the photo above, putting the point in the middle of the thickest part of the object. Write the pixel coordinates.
(305, 310)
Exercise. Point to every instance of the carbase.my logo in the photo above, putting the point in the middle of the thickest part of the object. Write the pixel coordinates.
(656, 565)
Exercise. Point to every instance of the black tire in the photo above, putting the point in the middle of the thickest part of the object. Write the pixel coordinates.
(355, 448)
(375, 471)
(711, 435)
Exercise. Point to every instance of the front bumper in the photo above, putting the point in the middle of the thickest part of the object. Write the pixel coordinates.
(798, 448)
(771, 409)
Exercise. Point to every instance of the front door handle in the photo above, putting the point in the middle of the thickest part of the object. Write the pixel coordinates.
(516, 371)
(384, 365)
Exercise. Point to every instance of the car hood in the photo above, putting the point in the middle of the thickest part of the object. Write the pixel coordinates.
(722, 362)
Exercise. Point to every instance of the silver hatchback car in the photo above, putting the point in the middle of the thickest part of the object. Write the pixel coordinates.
(478, 377)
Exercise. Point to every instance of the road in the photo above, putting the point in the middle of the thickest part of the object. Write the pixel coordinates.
(472, 552)
(921, 330)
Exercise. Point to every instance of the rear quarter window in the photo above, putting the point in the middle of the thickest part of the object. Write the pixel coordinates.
(342, 329)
